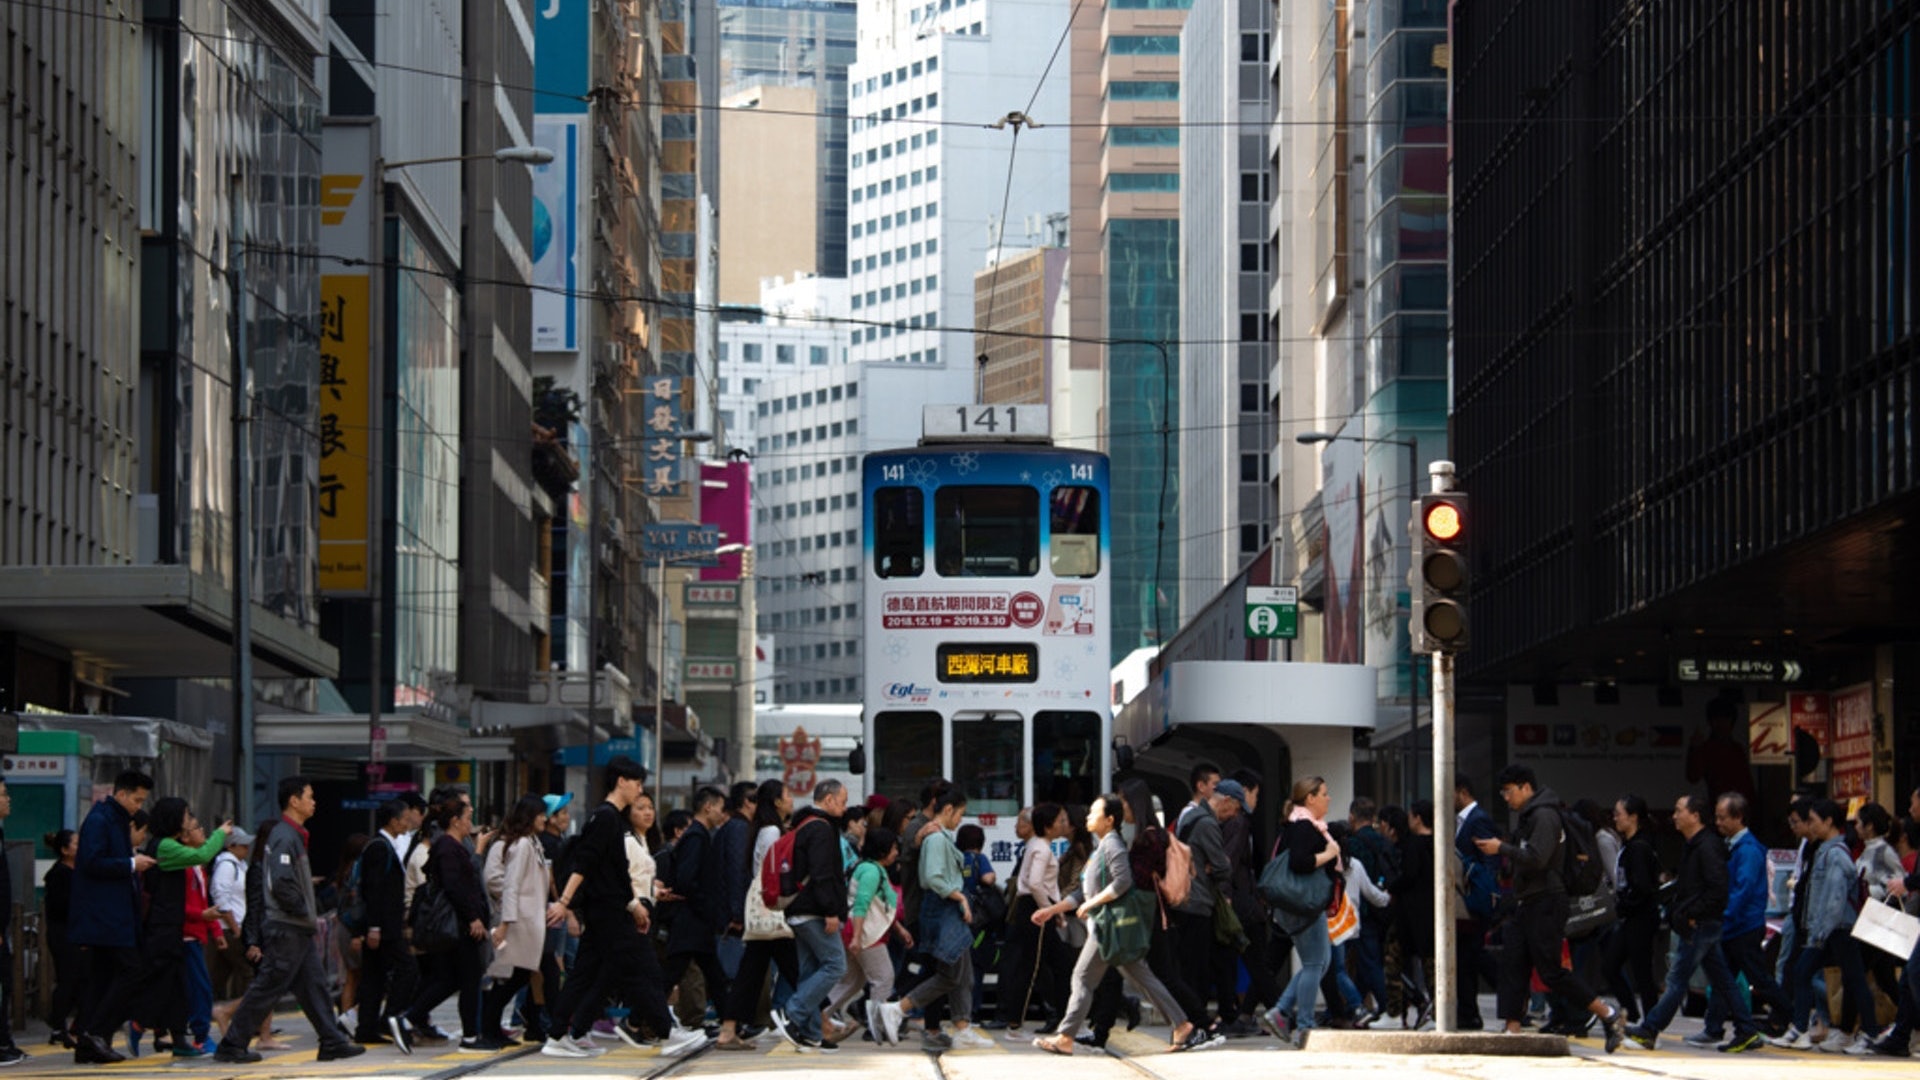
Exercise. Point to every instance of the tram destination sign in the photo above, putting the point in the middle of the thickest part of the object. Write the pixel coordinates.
(1016, 662)
(1273, 612)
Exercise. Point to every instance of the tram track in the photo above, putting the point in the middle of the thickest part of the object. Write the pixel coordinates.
(663, 1067)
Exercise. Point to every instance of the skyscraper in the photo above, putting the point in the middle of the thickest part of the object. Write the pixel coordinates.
(801, 44)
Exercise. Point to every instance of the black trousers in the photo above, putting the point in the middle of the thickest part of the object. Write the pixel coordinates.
(615, 959)
(743, 997)
(389, 982)
(710, 972)
(1746, 955)
(1207, 965)
(1263, 990)
(69, 977)
(502, 993)
(1626, 963)
(457, 971)
(1533, 945)
(1469, 966)
(114, 976)
(1165, 965)
(289, 963)
(1035, 966)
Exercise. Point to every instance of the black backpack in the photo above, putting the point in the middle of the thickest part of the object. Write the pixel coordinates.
(1580, 868)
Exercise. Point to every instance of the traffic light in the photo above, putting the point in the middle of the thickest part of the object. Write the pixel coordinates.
(1439, 530)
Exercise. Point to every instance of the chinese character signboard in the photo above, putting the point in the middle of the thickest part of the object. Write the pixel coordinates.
(348, 378)
(705, 595)
(1853, 743)
(711, 669)
(663, 422)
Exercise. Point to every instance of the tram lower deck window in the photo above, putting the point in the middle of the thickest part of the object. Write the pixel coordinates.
(986, 531)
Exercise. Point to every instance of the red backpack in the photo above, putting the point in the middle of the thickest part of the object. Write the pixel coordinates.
(778, 882)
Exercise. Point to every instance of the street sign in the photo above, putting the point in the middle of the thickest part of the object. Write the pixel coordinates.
(1719, 669)
(1273, 611)
(681, 543)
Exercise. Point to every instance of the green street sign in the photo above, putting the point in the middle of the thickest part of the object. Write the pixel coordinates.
(1273, 611)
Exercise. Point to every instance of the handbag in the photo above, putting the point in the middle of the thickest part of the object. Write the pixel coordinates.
(1343, 922)
(1294, 894)
(762, 922)
(989, 910)
(1228, 931)
(435, 925)
(1884, 926)
(1590, 914)
(1123, 929)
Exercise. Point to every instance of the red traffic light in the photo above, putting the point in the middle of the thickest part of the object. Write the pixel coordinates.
(1443, 521)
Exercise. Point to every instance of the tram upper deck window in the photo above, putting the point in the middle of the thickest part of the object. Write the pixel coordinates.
(899, 532)
(1073, 543)
(986, 531)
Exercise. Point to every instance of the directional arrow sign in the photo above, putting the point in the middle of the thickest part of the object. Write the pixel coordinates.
(1273, 612)
(1745, 669)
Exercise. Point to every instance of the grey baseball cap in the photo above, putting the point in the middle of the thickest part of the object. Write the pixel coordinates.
(239, 837)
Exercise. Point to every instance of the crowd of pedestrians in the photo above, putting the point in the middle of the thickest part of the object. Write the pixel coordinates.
(737, 917)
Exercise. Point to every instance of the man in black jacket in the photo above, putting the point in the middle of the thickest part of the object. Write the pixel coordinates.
(815, 914)
(614, 952)
(733, 850)
(698, 918)
(1696, 914)
(388, 973)
(1539, 921)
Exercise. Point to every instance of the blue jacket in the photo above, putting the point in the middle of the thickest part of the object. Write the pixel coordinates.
(1746, 886)
(1830, 894)
(106, 896)
(1478, 825)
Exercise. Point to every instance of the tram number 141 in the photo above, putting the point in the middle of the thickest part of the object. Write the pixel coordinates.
(988, 420)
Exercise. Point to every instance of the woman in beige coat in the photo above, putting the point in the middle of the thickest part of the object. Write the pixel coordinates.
(517, 881)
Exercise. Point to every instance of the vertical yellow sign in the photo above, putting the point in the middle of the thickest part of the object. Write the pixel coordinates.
(346, 433)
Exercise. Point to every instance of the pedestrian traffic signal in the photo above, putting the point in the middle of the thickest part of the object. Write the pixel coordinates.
(1438, 585)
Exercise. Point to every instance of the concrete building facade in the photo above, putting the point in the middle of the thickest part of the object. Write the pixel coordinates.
(767, 231)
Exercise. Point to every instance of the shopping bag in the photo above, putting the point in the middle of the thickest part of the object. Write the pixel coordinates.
(1887, 928)
(1344, 923)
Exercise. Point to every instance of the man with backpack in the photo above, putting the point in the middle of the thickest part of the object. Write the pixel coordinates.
(1697, 914)
(819, 903)
(1203, 960)
(1540, 860)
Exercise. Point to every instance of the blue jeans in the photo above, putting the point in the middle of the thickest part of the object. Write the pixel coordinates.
(1313, 949)
(1700, 949)
(823, 959)
(199, 993)
(1839, 951)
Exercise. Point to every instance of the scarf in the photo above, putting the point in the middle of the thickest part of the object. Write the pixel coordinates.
(1301, 813)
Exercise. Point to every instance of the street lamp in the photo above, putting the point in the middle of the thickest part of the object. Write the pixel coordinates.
(525, 155)
(1311, 438)
(660, 659)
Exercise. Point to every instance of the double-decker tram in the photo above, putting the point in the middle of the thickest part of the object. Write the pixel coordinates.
(987, 616)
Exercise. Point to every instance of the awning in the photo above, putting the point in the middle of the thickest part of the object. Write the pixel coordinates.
(410, 736)
(153, 622)
(121, 736)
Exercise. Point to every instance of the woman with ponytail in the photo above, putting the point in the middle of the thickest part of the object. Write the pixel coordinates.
(1309, 848)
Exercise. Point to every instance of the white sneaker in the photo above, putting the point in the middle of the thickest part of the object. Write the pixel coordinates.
(1862, 1045)
(562, 1046)
(874, 1025)
(969, 1038)
(684, 1041)
(1794, 1039)
(1836, 1042)
(890, 1017)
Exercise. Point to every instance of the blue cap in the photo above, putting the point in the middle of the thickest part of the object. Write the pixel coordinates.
(555, 803)
(1232, 790)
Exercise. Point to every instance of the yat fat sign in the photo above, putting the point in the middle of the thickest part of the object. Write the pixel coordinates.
(1273, 611)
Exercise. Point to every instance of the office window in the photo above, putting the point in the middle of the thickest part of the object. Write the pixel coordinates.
(1249, 539)
(1249, 468)
(1145, 135)
(934, 99)
(1249, 258)
(750, 352)
(817, 357)
(1144, 44)
(853, 232)
(1252, 398)
(1253, 326)
(1137, 182)
(933, 247)
(1144, 90)
(932, 136)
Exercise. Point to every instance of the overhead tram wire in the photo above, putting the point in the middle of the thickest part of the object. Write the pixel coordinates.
(817, 114)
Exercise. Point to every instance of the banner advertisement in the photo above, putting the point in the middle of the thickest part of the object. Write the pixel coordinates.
(1853, 743)
(348, 376)
(556, 236)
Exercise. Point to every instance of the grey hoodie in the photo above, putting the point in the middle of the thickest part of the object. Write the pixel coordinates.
(289, 885)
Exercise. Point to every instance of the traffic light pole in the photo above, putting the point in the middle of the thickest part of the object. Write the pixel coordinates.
(1445, 950)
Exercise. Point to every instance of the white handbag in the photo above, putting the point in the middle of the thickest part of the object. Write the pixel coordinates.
(1885, 927)
(763, 922)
